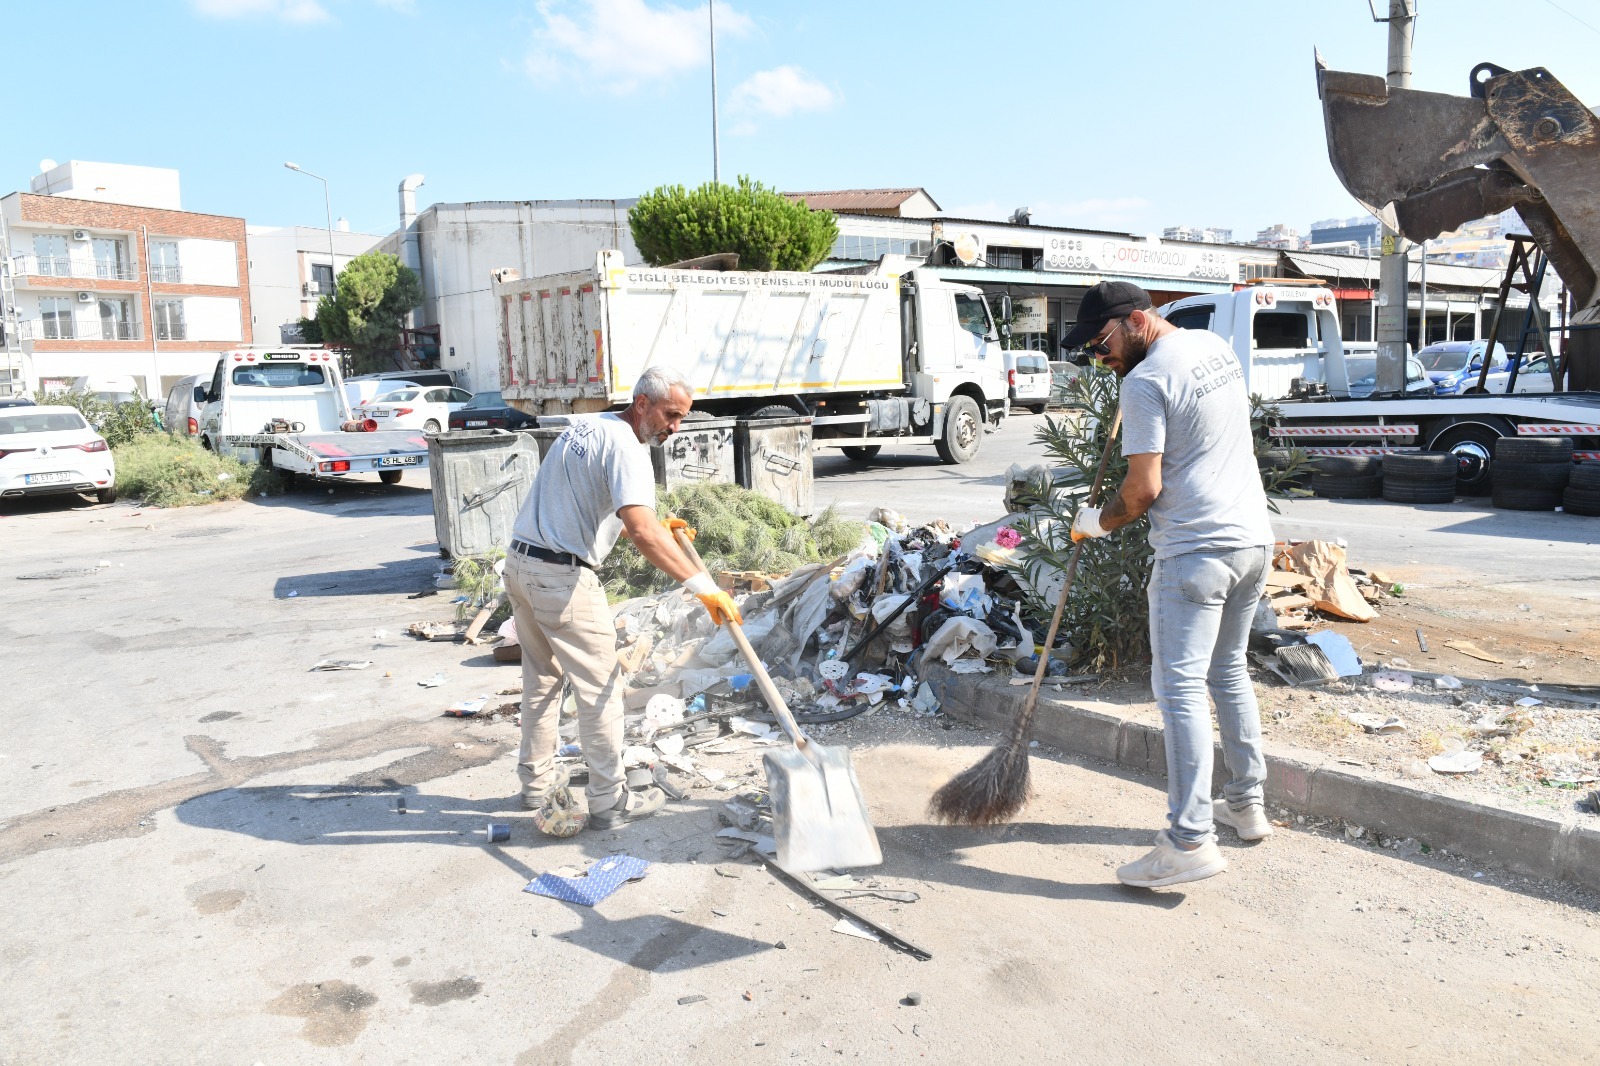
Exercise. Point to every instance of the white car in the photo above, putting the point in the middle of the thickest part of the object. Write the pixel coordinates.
(362, 392)
(427, 409)
(1533, 376)
(51, 450)
(1030, 380)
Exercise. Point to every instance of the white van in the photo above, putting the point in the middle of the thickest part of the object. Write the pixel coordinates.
(181, 417)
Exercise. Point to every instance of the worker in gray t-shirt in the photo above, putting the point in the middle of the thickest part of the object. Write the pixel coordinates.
(595, 483)
(1191, 466)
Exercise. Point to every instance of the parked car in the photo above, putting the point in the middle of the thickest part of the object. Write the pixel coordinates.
(1534, 376)
(16, 401)
(1363, 371)
(417, 408)
(398, 379)
(360, 392)
(181, 416)
(1449, 364)
(48, 450)
(1029, 380)
(489, 410)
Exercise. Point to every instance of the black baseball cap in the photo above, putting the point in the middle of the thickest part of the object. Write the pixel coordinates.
(1107, 300)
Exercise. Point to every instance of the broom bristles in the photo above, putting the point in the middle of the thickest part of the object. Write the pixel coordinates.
(991, 790)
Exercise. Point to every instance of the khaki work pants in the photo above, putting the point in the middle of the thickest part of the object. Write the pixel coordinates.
(567, 631)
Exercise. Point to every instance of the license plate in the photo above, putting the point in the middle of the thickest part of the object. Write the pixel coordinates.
(399, 460)
(46, 479)
(477, 422)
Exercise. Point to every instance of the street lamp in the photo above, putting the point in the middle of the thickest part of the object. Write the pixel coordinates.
(333, 265)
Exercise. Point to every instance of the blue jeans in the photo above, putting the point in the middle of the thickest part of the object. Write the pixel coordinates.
(1201, 605)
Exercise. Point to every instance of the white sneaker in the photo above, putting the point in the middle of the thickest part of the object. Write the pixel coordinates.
(1169, 864)
(1250, 823)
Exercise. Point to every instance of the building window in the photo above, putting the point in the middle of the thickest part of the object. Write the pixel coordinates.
(50, 249)
(851, 246)
(1011, 258)
(168, 316)
(55, 313)
(1251, 271)
(110, 258)
(116, 319)
(322, 278)
(164, 262)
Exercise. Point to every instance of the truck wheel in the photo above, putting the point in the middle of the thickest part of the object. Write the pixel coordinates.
(963, 430)
(773, 410)
(1473, 447)
(390, 477)
(861, 452)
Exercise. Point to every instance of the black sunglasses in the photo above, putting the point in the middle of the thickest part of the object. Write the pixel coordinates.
(1100, 349)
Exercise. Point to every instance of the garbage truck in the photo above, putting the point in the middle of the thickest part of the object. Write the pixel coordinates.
(885, 353)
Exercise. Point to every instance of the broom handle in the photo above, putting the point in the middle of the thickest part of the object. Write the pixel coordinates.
(763, 681)
(1025, 719)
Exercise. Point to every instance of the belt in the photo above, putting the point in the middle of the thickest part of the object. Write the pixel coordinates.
(545, 555)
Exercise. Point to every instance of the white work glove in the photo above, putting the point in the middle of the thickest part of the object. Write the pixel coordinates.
(1087, 524)
(716, 600)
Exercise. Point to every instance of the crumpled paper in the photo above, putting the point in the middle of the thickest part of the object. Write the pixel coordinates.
(957, 637)
(1332, 589)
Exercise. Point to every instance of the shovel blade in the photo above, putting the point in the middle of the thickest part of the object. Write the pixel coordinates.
(818, 813)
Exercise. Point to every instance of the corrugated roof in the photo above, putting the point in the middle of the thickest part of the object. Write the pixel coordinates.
(868, 200)
(1336, 268)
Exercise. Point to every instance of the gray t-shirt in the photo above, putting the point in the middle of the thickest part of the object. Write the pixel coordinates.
(594, 468)
(1187, 400)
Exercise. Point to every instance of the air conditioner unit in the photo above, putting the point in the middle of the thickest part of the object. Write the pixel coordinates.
(311, 288)
(86, 297)
(80, 234)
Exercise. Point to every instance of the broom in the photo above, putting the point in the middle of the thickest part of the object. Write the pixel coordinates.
(995, 788)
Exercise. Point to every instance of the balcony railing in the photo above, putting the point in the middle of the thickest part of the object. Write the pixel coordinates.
(97, 330)
(175, 332)
(161, 272)
(60, 266)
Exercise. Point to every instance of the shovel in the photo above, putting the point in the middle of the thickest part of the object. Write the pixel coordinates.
(818, 813)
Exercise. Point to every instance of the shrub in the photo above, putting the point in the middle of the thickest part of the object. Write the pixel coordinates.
(118, 423)
(737, 530)
(167, 471)
(767, 229)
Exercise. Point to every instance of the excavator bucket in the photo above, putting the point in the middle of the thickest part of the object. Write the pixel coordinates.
(1427, 162)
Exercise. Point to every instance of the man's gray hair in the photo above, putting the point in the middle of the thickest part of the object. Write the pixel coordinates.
(657, 383)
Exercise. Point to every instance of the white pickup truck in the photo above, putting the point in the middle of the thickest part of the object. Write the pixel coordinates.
(1286, 337)
(891, 353)
(285, 408)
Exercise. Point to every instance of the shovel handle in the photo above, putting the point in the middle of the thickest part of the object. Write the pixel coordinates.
(763, 680)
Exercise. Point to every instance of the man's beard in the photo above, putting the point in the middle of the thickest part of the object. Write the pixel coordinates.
(1134, 350)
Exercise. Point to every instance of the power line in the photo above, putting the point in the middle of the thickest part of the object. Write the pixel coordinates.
(1573, 17)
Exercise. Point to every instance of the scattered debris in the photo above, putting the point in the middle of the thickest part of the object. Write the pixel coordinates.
(342, 664)
(1391, 680)
(594, 885)
(466, 708)
(433, 682)
(1460, 762)
(498, 832)
(852, 928)
(1466, 647)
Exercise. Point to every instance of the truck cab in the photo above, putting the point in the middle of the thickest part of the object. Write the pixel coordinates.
(298, 389)
(1284, 333)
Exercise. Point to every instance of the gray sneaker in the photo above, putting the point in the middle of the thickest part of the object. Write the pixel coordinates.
(1168, 864)
(1250, 823)
(630, 807)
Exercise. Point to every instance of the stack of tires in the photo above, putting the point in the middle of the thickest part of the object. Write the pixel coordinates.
(1276, 459)
(1419, 477)
(1583, 491)
(1530, 473)
(1347, 477)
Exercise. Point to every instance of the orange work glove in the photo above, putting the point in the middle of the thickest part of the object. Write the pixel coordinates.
(674, 524)
(1087, 524)
(717, 601)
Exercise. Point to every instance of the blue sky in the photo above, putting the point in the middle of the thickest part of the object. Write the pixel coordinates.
(1131, 116)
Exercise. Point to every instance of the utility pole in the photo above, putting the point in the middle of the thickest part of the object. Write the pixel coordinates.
(1392, 269)
(716, 150)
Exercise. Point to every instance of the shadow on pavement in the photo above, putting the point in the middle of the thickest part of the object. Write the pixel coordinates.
(367, 816)
(402, 576)
(925, 853)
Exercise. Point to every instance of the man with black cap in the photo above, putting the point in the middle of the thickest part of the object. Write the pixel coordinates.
(1191, 466)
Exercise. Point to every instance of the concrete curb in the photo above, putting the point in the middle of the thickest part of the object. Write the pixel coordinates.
(1306, 782)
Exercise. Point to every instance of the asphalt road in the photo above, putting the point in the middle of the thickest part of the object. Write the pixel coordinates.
(200, 857)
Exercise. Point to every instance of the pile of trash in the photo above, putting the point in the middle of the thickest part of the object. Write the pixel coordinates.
(1311, 578)
(840, 638)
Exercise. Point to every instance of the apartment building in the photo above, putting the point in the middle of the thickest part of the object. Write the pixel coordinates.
(109, 278)
(291, 268)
